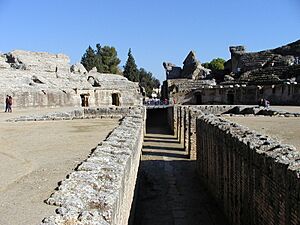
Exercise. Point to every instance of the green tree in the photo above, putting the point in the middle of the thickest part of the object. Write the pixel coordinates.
(130, 69)
(109, 59)
(99, 63)
(89, 59)
(105, 59)
(148, 81)
(215, 64)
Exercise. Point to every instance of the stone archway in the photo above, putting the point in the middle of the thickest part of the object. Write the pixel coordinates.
(115, 99)
(230, 97)
(84, 100)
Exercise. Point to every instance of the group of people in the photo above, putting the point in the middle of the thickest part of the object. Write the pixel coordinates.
(8, 103)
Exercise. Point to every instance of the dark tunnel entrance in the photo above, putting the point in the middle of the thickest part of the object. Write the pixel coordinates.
(157, 121)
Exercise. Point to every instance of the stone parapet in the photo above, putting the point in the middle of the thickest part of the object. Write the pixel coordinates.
(254, 178)
(100, 191)
(81, 113)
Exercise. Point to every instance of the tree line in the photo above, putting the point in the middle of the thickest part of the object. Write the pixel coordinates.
(106, 60)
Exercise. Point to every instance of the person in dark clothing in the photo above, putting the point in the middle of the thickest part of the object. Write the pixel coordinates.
(6, 103)
(9, 104)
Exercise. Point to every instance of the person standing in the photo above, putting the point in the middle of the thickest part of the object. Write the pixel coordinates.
(6, 103)
(9, 104)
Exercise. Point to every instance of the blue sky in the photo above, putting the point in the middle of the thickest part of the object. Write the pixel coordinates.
(156, 30)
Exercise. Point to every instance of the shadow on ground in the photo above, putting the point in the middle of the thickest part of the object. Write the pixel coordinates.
(169, 190)
(171, 193)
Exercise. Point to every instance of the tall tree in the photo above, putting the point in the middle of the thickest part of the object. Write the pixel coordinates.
(130, 69)
(110, 60)
(89, 59)
(148, 81)
(99, 63)
(105, 59)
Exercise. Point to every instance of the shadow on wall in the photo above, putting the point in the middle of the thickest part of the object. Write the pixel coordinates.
(157, 121)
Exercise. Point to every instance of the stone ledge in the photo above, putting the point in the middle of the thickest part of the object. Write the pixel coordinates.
(265, 150)
(83, 113)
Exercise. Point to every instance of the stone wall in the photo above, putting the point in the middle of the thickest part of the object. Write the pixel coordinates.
(254, 179)
(101, 189)
(81, 113)
(280, 94)
(184, 118)
(179, 89)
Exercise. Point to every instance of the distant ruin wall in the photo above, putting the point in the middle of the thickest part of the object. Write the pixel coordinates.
(100, 191)
(69, 98)
(53, 98)
(280, 94)
(254, 179)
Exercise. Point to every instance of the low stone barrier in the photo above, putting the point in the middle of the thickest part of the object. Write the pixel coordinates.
(82, 113)
(100, 191)
(262, 111)
(254, 179)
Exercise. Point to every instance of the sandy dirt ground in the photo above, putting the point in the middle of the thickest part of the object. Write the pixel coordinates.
(35, 156)
(285, 129)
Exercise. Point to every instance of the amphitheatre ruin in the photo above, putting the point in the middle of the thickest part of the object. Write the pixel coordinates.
(80, 148)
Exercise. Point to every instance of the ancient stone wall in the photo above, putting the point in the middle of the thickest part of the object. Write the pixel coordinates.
(100, 191)
(254, 179)
(80, 113)
(39, 79)
(280, 94)
(179, 89)
(184, 118)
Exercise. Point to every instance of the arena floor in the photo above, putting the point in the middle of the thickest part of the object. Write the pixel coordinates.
(34, 156)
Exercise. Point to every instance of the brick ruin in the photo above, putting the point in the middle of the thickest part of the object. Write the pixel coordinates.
(271, 74)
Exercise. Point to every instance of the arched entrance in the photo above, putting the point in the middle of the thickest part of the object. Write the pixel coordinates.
(115, 99)
(198, 98)
(84, 100)
(230, 98)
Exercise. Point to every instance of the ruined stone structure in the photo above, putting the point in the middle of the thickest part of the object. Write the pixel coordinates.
(38, 79)
(192, 69)
(254, 179)
(265, 67)
(192, 75)
(271, 74)
(277, 94)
